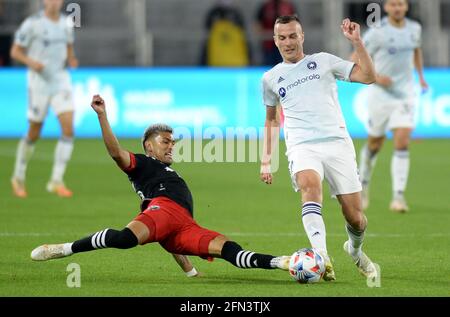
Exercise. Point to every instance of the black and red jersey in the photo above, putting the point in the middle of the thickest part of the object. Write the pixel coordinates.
(152, 178)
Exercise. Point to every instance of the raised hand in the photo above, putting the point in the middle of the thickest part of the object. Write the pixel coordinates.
(351, 30)
(98, 104)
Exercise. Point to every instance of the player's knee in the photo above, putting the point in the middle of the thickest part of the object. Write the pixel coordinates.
(402, 146)
(67, 133)
(33, 134)
(311, 191)
(124, 239)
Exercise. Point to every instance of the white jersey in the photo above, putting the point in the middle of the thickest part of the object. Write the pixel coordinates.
(392, 51)
(307, 92)
(46, 42)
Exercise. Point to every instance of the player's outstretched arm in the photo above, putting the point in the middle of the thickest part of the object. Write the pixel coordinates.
(186, 265)
(119, 155)
(271, 137)
(363, 71)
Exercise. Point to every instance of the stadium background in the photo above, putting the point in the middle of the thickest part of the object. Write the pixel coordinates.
(143, 57)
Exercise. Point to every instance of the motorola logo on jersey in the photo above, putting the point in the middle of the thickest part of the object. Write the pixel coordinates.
(282, 92)
(302, 81)
(312, 65)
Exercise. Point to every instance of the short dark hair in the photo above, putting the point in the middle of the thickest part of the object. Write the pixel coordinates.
(285, 19)
(154, 130)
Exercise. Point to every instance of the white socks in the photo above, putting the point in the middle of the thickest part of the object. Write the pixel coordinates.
(63, 153)
(367, 160)
(355, 238)
(25, 150)
(399, 172)
(67, 249)
(314, 225)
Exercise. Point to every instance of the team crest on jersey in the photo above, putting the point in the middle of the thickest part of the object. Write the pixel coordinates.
(282, 92)
(392, 50)
(312, 65)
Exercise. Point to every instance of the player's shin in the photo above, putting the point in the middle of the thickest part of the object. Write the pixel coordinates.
(63, 153)
(25, 150)
(366, 164)
(355, 238)
(233, 253)
(399, 172)
(314, 225)
(108, 238)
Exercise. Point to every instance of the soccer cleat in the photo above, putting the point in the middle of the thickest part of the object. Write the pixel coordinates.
(399, 205)
(18, 187)
(59, 189)
(329, 274)
(47, 252)
(363, 263)
(365, 196)
(282, 262)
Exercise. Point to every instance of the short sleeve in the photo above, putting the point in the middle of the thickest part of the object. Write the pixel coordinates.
(419, 36)
(269, 96)
(24, 34)
(137, 162)
(340, 68)
(70, 30)
(370, 41)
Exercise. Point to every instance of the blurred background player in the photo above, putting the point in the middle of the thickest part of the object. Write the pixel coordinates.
(44, 43)
(226, 44)
(395, 48)
(166, 210)
(317, 141)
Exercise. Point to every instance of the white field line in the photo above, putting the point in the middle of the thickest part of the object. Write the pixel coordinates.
(240, 234)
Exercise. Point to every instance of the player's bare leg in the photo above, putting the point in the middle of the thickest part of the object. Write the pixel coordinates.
(368, 158)
(310, 184)
(133, 234)
(355, 227)
(25, 150)
(400, 169)
(224, 248)
(63, 153)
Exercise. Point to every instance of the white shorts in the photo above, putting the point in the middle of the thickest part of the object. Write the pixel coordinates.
(38, 104)
(389, 115)
(333, 160)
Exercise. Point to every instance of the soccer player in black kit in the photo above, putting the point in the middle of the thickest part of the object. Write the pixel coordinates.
(166, 210)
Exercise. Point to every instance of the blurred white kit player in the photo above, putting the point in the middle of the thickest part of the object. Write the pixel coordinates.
(318, 143)
(44, 42)
(395, 49)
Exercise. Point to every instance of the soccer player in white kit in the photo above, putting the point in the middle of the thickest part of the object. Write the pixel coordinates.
(395, 49)
(44, 43)
(317, 141)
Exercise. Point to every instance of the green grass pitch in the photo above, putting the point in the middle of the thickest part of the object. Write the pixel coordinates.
(412, 250)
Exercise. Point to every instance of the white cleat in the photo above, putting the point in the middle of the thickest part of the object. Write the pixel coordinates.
(365, 197)
(399, 205)
(329, 274)
(364, 264)
(282, 262)
(47, 252)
